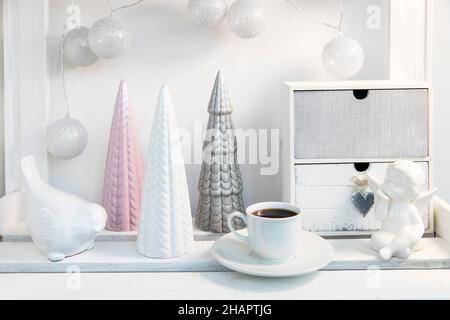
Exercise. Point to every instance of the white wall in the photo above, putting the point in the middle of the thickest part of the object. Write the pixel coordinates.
(168, 48)
(441, 83)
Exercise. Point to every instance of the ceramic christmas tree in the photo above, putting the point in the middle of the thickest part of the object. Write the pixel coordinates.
(124, 168)
(165, 229)
(220, 183)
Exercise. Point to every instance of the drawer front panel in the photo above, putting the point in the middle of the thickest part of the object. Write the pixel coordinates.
(323, 193)
(385, 124)
(333, 220)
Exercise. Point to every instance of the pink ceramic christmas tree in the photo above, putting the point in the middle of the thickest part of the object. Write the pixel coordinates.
(124, 168)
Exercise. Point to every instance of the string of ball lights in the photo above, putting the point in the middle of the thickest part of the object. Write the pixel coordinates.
(343, 56)
(108, 38)
(67, 137)
(81, 46)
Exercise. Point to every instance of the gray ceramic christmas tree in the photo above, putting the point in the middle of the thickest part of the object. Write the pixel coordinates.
(220, 183)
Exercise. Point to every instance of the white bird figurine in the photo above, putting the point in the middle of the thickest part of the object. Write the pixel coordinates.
(399, 200)
(61, 224)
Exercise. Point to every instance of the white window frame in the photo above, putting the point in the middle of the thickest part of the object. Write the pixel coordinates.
(26, 93)
(411, 29)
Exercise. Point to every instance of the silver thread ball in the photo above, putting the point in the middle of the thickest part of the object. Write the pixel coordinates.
(109, 38)
(76, 47)
(343, 57)
(246, 18)
(207, 13)
(66, 138)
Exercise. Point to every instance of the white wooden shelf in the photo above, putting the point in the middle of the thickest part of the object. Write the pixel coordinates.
(19, 233)
(121, 256)
(116, 252)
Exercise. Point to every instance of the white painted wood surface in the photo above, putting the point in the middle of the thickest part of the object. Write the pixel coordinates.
(408, 40)
(411, 37)
(121, 256)
(442, 218)
(26, 85)
(10, 211)
(117, 253)
(339, 174)
(12, 228)
(358, 84)
(18, 232)
(367, 284)
(354, 160)
(344, 218)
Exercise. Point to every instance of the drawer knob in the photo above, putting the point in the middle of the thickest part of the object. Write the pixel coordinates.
(360, 94)
(361, 166)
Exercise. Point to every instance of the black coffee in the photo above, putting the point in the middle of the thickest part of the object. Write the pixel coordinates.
(274, 213)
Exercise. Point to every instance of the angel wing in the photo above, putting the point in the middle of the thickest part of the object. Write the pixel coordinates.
(381, 199)
(424, 199)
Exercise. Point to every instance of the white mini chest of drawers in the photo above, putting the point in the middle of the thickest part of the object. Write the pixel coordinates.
(332, 131)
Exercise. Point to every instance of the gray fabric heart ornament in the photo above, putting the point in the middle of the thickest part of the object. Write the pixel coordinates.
(363, 201)
(362, 198)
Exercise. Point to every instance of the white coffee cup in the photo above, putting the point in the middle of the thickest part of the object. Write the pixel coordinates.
(275, 239)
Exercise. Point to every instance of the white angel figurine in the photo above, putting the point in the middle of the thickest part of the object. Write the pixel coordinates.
(398, 204)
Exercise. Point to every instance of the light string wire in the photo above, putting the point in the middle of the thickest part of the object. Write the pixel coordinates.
(337, 27)
(62, 67)
(126, 6)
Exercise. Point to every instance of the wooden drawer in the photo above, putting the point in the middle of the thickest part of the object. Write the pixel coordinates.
(346, 124)
(323, 193)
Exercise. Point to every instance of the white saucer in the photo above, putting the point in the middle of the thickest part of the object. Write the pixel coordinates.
(313, 254)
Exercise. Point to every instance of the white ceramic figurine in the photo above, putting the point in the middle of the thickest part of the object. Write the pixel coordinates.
(399, 200)
(61, 224)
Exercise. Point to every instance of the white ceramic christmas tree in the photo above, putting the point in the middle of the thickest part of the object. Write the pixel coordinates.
(165, 228)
